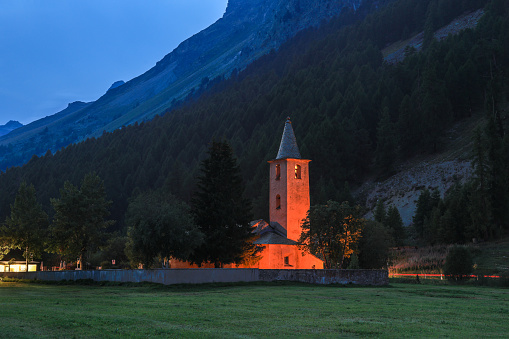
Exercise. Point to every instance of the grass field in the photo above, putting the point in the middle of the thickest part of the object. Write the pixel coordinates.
(252, 310)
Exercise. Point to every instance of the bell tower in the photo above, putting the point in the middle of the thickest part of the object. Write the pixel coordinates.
(289, 185)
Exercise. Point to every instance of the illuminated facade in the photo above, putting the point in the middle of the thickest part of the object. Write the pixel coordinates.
(17, 266)
(288, 205)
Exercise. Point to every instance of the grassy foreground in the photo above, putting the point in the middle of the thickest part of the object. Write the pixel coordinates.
(252, 310)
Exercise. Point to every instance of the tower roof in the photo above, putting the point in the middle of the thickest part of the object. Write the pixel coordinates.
(288, 147)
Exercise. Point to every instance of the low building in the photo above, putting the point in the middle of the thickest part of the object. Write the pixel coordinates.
(17, 266)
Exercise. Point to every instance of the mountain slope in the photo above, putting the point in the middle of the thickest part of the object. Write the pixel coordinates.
(248, 29)
(396, 52)
(331, 81)
(425, 171)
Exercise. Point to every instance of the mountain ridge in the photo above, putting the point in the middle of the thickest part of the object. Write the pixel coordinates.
(247, 30)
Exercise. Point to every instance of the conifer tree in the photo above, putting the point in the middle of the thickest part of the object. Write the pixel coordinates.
(395, 223)
(380, 213)
(386, 153)
(480, 207)
(220, 209)
(429, 25)
(424, 207)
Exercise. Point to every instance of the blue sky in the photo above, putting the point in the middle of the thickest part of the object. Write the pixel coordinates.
(53, 52)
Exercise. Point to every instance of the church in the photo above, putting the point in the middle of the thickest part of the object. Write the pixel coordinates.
(288, 206)
(289, 203)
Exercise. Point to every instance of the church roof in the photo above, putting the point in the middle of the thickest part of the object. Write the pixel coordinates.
(261, 226)
(288, 147)
(271, 238)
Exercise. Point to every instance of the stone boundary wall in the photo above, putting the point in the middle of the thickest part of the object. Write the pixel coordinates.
(212, 275)
(159, 276)
(326, 277)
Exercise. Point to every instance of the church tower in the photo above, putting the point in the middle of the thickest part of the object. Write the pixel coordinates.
(289, 185)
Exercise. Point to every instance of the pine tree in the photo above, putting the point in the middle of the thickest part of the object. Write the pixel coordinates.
(220, 210)
(395, 223)
(386, 152)
(429, 25)
(380, 213)
(480, 207)
(425, 204)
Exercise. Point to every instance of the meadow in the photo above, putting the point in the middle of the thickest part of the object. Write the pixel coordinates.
(257, 310)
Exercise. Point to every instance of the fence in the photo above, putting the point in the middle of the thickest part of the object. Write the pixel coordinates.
(212, 275)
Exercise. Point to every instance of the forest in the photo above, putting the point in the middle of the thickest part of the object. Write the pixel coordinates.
(353, 114)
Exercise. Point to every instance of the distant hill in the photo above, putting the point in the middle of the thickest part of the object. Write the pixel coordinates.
(247, 30)
(9, 127)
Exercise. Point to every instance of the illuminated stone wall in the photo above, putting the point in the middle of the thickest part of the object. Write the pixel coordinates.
(211, 275)
(277, 256)
(326, 277)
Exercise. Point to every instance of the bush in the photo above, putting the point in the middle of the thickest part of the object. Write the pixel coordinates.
(374, 246)
(458, 264)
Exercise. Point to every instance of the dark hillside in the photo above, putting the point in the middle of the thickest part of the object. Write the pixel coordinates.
(352, 113)
(247, 30)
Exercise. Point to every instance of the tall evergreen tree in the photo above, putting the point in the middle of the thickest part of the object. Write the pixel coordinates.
(436, 112)
(380, 213)
(220, 209)
(425, 204)
(386, 148)
(480, 206)
(395, 223)
(430, 23)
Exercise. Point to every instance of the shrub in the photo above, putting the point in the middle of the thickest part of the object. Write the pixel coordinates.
(458, 264)
(374, 246)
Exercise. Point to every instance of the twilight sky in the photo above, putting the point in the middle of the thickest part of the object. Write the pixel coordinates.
(59, 51)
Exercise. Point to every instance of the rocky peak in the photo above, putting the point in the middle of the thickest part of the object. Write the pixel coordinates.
(9, 127)
(116, 84)
(13, 124)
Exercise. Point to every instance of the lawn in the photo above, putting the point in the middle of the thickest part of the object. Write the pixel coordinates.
(252, 310)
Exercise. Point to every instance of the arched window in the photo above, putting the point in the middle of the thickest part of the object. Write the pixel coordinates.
(278, 172)
(278, 202)
(297, 172)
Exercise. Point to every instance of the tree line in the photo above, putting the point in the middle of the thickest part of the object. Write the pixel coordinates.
(215, 230)
(159, 226)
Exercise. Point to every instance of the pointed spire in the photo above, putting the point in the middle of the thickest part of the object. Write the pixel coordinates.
(288, 147)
